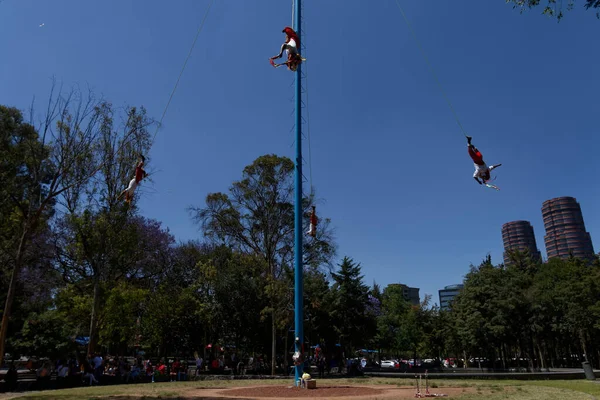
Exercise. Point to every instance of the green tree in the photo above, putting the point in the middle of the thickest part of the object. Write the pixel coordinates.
(553, 8)
(257, 217)
(210, 295)
(349, 302)
(527, 310)
(317, 308)
(118, 328)
(477, 322)
(401, 325)
(566, 294)
(170, 320)
(45, 334)
(39, 165)
(36, 286)
(98, 243)
(439, 340)
(237, 299)
(97, 251)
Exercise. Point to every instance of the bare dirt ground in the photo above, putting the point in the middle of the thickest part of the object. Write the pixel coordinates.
(321, 392)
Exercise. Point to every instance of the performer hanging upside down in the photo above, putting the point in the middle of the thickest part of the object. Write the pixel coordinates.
(291, 46)
(482, 171)
(139, 175)
(312, 230)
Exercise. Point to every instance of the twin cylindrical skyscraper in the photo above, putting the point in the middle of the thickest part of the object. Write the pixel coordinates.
(565, 232)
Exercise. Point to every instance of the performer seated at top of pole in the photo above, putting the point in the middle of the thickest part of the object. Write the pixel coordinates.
(291, 46)
(482, 171)
(140, 174)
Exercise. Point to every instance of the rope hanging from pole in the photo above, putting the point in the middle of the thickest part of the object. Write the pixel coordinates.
(482, 170)
(182, 69)
(308, 136)
(143, 174)
(307, 108)
(431, 68)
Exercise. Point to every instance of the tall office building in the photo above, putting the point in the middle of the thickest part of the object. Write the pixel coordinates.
(565, 229)
(410, 294)
(448, 294)
(518, 235)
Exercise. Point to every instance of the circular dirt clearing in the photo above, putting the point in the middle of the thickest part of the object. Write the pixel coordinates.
(294, 392)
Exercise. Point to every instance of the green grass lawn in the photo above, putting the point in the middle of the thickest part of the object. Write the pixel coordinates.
(488, 389)
(507, 389)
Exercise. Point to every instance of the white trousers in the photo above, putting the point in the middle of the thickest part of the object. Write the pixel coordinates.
(132, 185)
(290, 47)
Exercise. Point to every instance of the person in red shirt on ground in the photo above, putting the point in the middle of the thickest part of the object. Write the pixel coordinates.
(292, 47)
(175, 369)
(139, 175)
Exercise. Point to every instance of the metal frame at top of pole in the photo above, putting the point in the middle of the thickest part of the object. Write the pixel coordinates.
(299, 265)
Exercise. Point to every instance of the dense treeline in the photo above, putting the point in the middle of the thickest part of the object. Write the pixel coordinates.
(75, 262)
(545, 313)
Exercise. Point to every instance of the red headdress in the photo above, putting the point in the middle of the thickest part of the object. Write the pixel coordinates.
(292, 35)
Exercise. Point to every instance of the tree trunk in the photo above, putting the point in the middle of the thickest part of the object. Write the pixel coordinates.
(531, 355)
(415, 356)
(94, 318)
(520, 355)
(584, 345)
(12, 288)
(204, 349)
(273, 342)
(542, 357)
(285, 353)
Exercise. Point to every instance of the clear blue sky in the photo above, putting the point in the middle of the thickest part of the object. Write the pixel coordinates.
(387, 154)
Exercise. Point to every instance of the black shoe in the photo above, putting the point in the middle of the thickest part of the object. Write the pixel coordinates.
(469, 139)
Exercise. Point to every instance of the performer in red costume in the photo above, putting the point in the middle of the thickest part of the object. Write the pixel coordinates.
(312, 230)
(139, 175)
(292, 47)
(482, 171)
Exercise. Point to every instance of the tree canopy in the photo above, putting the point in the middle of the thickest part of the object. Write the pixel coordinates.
(75, 263)
(554, 8)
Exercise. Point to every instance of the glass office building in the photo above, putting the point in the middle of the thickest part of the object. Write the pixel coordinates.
(448, 294)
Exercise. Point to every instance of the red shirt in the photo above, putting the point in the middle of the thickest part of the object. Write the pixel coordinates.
(139, 174)
(149, 368)
(176, 366)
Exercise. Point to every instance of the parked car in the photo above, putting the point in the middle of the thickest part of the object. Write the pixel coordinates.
(390, 364)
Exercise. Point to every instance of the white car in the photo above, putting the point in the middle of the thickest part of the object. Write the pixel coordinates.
(390, 364)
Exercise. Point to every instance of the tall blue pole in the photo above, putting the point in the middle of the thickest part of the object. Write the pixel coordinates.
(299, 265)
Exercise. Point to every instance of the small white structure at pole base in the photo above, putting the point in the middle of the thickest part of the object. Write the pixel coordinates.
(419, 395)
